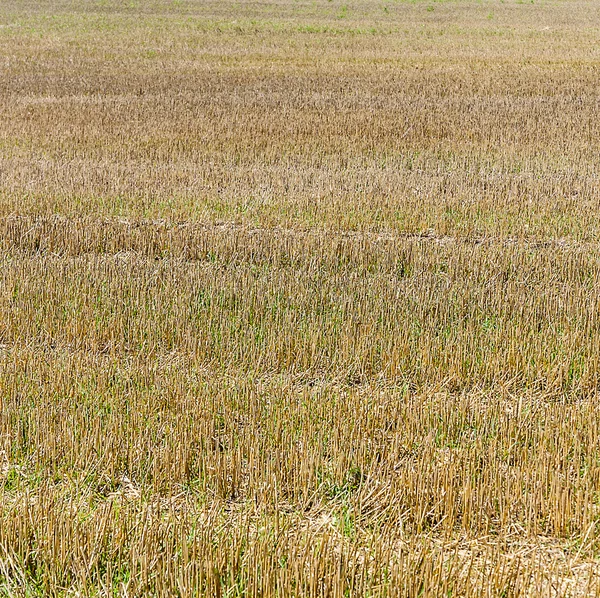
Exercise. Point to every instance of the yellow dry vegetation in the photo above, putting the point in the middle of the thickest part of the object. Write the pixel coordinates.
(299, 298)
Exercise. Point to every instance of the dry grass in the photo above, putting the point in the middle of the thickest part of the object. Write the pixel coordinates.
(299, 298)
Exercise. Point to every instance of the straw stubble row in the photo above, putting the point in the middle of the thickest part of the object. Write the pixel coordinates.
(299, 299)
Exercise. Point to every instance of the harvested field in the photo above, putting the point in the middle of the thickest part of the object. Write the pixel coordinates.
(299, 298)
